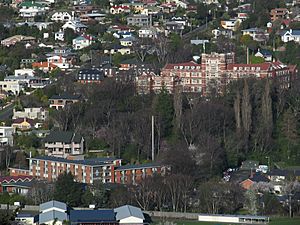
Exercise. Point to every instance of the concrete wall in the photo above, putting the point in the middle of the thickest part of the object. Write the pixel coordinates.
(173, 215)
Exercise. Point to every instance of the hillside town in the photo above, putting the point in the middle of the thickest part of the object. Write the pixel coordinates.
(149, 112)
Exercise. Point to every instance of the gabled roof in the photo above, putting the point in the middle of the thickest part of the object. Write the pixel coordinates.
(63, 136)
(128, 211)
(65, 96)
(53, 204)
(21, 120)
(92, 216)
(52, 215)
(9, 179)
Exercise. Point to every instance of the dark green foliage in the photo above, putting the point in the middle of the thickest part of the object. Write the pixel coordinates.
(68, 191)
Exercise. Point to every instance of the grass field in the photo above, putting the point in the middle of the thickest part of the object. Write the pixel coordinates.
(273, 221)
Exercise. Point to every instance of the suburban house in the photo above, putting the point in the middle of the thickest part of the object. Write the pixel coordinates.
(267, 55)
(75, 25)
(28, 72)
(138, 20)
(231, 24)
(173, 27)
(279, 14)
(23, 123)
(44, 66)
(61, 100)
(119, 9)
(88, 76)
(290, 35)
(13, 87)
(222, 32)
(17, 38)
(128, 41)
(61, 16)
(147, 32)
(95, 217)
(53, 212)
(63, 143)
(32, 113)
(6, 182)
(257, 34)
(31, 9)
(253, 179)
(59, 61)
(6, 136)
(82, 42)
(123, 50)
(59, 35)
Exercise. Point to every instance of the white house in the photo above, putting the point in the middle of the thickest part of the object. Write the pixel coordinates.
(25, 71)
(14, 87)
(75, 25)
(257, 34)
(32, 113)
(231, 24)
(82, 42)
(147, 32)
(290, 35)
(27, 219)
(59, 61)
(31, 9)
(59, 36)
(6, 136)
(128, 214)
(61, 17)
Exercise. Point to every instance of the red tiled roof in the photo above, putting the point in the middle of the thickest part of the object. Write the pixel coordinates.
(171, 66)
(43, 65)
(8, 179)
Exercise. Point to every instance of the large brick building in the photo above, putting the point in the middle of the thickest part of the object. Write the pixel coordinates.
(214, 72)
(106, 170)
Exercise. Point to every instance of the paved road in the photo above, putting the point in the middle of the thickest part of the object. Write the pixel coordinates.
(190, 34)
(7, 112)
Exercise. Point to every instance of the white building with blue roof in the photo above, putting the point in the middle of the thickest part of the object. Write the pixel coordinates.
(290, 35)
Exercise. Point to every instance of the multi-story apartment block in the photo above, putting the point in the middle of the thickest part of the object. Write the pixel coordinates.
(32, 113)
(6, 136)
(139, 20)
(133, 174)
(63, 144)
(214, 72)
(85, 171)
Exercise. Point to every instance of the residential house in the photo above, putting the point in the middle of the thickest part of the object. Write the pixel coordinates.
(85, 171)
(62, 100)
(173, 27)
(123, 50)
(63, 143)
(290, 35)
(180, 3)
(75, 25)
(29, 81)
(147, 32)
(222, 32)
(59, 35)
(17, 38)
(29, 9)
(59, 61)
(23, 124)
(27, 62)
(25, 71)
(6, 135)
(90, 76)
(279, 14)
(53, 212)
(257, 34)
(138, 20)
(119, 9)
(128, 214)
(253, 179)
(263, 53)
(44, 66)
(62, 17)
(32, 113)
(13, 87)
(128, 41)
(20, 188)
(40, 25)
(136, 7)
(26, 218)
(151, 10)
(82, 42)
(231, 24)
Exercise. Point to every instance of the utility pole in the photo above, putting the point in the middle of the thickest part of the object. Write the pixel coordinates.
(152, 129)
(290, 204)
(247, 55)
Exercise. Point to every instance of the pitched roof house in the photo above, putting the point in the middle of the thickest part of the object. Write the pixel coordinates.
(128, 214)
(63, 143)
(290, 35)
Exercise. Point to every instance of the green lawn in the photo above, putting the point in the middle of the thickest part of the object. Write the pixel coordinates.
(273, 221)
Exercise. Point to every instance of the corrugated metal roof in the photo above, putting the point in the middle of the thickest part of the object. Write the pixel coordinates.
(51, 215)
(53, 203)
(90, 216)
(128, 211)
